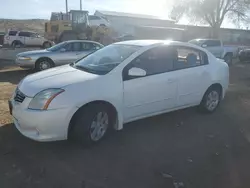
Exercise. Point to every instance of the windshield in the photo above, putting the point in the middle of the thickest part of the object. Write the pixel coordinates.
(106, 59)
(56, 47)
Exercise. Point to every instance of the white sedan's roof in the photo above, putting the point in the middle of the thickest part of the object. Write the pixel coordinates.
(153, 42)
(145, 43)
(141, 42)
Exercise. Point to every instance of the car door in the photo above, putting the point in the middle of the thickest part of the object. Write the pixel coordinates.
(191, 68)
(154, 93)
(21, 36)
(35, 40)
(68, 54)
(214, 46)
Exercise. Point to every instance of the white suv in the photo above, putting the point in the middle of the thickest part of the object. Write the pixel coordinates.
(26, 38)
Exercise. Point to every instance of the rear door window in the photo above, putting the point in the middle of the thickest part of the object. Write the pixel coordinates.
(25, 34)
(212, 43)
(189, 57)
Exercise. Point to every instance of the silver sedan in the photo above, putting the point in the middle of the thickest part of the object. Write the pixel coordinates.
(60, 54)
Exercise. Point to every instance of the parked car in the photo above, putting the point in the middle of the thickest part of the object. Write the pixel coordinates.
(244, 55)
(60, 54)
(26, 38)
(217, 48)
(119, 83)
(125, 37)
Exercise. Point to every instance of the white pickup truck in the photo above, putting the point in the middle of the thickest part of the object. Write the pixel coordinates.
(217, 48)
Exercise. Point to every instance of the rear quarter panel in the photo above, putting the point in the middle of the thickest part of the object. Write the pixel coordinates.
(219, 73)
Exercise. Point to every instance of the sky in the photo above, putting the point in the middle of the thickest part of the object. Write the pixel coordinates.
(26, 9)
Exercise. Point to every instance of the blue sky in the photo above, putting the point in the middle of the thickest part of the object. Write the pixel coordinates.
(23, 9)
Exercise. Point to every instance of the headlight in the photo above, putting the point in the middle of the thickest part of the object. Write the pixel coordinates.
(42, 100)
(24, 58)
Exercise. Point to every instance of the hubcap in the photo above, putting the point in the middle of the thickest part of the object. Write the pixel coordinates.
(99, 126)
(44, 65)
(213, 99)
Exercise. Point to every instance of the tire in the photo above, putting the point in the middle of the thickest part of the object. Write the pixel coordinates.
(46, 45)
(44, 64)
(228, 59)
(67, 35)
(211, 100)
(16, 43)
(85, 127)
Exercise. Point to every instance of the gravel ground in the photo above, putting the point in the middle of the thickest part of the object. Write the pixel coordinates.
(179, 149)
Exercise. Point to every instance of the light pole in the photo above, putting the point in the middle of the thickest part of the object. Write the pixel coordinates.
(80, 4)
(66, 1)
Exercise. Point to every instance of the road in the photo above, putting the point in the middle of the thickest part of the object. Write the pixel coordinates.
(186, 147)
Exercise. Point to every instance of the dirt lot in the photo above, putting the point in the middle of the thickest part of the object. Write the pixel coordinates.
(185, 147)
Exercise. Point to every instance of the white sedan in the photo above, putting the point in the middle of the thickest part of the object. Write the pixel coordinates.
(119, 83)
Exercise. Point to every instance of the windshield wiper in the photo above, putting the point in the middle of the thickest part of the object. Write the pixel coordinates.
(86, 69)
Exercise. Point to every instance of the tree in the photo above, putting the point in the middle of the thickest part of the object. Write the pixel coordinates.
(211, 12)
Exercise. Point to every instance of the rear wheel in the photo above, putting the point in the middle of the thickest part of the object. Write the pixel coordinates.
(228, 59)
(92, 123)
(43, 64)
(67, 35)
(211, 99)
(16, 44)
(46, 45)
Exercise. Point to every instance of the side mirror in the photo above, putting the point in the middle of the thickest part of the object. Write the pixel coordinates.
(203, 45)
(137, 72)
(62, 50)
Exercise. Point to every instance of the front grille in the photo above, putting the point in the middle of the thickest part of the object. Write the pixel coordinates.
(19, 96)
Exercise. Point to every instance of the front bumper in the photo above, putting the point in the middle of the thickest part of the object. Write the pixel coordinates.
(49, 125)
(25, 63)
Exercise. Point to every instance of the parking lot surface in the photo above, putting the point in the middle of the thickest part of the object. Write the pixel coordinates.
(179, 149)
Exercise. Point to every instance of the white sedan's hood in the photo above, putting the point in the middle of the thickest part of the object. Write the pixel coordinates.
(53, 78)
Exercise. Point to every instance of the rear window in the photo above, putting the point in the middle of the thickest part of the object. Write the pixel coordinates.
(211, 43)
(12, 33)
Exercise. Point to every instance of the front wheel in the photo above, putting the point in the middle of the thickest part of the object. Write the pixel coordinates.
(43, 64)
(92, 123)
(211, 100)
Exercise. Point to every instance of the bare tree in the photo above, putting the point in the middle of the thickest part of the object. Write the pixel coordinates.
(211, 12)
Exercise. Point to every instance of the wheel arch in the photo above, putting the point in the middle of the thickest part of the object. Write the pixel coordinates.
(215, 85)
(44, 57)
(111, 106)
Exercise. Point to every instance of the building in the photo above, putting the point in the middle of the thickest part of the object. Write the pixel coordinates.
(125, 23)
(228, 36)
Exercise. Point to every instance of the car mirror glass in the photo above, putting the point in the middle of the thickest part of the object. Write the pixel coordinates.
(137, 72)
